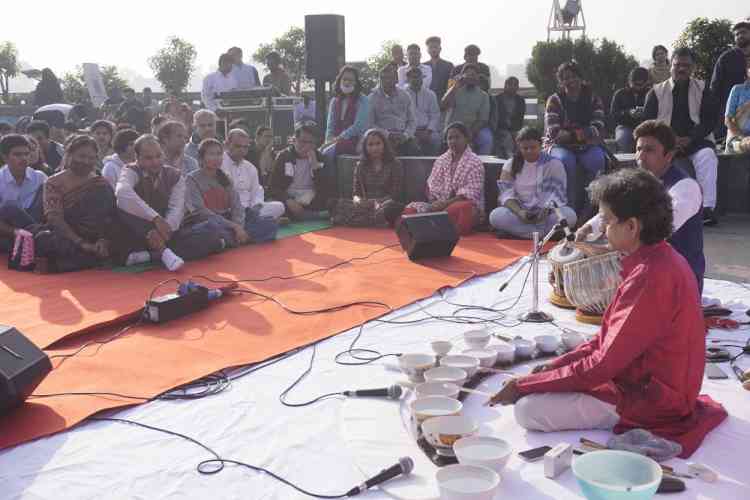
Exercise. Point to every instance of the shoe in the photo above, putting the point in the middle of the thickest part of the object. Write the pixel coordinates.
(709, 219)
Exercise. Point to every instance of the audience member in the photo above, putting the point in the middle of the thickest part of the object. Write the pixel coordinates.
(730, 70)
(20, 189)
(397, 57)
(5, 129)
(471, 56)
(157, 121)
(467, 103)
(427, 111)
(51, 151)
(414, 57)
(261, 153)
(48, 90)
(151, 202)
(510, 110)
(347, 116)
(391, 109)
(738, 117)
(441, 69)
(574, 119)
(277, 77)
(627, 109)
(132, 111)
(204, 124)
(173, 138)
(245, 75)
(690, 107)
(218, 82)
(150, 103)
(305, 110)
(660, 70)
(124, 153)
(35, 157)
(69, 128)
(377, 188)
(456, 183)
(297, 180)
(531, 185)
(102, 132)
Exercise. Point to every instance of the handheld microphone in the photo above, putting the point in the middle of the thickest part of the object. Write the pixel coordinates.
(392, 392)
(404, 466)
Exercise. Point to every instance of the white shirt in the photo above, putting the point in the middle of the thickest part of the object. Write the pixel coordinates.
(111, 170)
(426, 108)
(216, 83)
(403, 81)
(245, 75)
(129, 201)
(244, 177)
(526, 184)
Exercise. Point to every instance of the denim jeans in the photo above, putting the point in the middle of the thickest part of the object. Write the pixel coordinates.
(504, 221)
(581, 168)
(482, 143)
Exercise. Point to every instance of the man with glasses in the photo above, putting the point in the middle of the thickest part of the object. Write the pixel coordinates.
(627, 109)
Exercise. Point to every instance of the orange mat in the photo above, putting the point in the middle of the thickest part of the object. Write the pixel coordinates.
(151, 359)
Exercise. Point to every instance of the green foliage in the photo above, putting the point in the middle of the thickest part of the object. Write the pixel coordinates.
(173, 65)
(604, 64)
(74, 85)
(370, 69)
(708, 39)
(8, 67)
(291, 48)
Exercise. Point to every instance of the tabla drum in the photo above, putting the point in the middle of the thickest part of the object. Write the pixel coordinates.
(591, 283)
(561, 254)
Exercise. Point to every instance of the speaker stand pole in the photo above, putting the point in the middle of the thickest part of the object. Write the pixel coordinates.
(535, 315)
(320, 105)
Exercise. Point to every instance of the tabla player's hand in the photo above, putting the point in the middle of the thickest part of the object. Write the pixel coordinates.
(583, 232)
(508, 395)
(541, 368)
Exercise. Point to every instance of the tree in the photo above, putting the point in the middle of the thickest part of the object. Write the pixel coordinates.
(708, 39)
(604, 64)
(370, 69)
(173, 65)
(74, 84)
(8, 67)
(291, 48)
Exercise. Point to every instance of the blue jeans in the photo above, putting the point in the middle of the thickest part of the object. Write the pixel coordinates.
(504, 221)
(260, 229)
(581, 168)
(625, 140)
(483, 142)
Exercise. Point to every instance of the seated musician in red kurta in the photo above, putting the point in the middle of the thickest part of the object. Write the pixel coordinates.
(645, 367)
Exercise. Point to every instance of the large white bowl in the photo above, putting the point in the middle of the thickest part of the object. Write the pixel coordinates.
(467, 482)
(445, 389)
(414, 365)
(489, 452)
(434, 406)
(524, 348)
(446, 374)
(506, 353)
(443, 432)
(469, 364)
(477, 339)
(571, 340)
(486, 357)
(617, 475)
(548, 344)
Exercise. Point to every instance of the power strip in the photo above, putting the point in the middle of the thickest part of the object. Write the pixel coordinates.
(173, 306)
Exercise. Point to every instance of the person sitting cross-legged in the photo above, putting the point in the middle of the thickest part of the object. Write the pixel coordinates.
(456, 183)
(124, 154)
(151, 200)
(531, 186)
(738, 118)
(644, 369)
(173, 137)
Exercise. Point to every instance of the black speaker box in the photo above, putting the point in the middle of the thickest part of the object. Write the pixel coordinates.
(325, 46)
(427, 235)
(22, 367)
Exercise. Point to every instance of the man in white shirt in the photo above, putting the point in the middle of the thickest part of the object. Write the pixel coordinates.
(218, 82)
(414, 56)
(427, 112)
(151, 200)
(245, 75)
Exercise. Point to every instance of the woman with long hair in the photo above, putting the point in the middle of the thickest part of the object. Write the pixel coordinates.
(531, 185)
(661, 69)
(347, 116)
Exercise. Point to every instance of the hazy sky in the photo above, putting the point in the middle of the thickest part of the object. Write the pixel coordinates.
(62, 34)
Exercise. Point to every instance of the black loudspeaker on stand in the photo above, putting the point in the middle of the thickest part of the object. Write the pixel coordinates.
(22, 367)
(427, 235)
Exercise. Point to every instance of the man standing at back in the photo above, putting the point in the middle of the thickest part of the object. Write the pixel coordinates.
(471, 56)
(245, 75)
(218, 82)
(730, 70)
(441, 69)
(414, 55)
(510, 109)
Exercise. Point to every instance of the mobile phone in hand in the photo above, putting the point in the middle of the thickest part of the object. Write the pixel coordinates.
(534, 454)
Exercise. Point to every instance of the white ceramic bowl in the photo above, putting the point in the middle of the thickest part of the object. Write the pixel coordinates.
(446, 374)
(524, 348)
(441, 347)
(435, 406)
(469, 364)
(486, 357)
(547, 343)
(506, 353)
(489, 452)
(617, 475)
(442, 432)
(414, 365)
(445, 389)
(477, 339)
(467, 482)
(571, 340)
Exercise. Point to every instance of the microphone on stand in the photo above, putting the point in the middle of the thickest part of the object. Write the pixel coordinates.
(392, 392)
(562, 222)
(404, 466)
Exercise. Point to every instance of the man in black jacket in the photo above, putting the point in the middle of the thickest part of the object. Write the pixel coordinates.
(509, 109)
(627, 109)
(731, 69)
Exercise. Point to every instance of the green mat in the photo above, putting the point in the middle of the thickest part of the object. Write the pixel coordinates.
(291, 229)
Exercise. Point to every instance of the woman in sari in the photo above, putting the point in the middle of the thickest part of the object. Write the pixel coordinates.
(738, 118)
(456, 184)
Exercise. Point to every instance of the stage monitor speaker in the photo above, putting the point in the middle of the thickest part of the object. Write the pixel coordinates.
(427, 235)
(22, 367)
(325, 47)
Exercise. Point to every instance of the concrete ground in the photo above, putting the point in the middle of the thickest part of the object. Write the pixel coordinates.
(727, 248)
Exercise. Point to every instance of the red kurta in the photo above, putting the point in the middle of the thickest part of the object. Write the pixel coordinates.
(649, 356)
